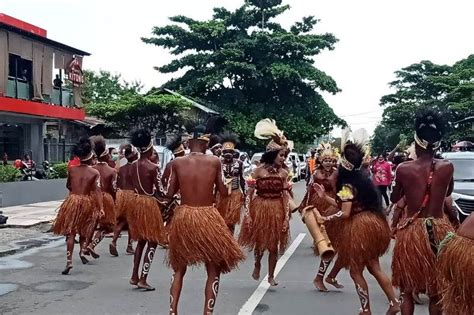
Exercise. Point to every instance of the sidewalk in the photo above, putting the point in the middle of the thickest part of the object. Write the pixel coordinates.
(26, 226)
(31, 214)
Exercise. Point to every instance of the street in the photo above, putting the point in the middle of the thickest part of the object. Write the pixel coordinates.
(101, 287)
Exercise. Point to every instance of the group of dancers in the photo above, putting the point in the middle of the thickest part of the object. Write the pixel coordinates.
(194, 205)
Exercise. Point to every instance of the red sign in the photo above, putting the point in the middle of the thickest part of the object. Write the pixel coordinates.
(74, 73)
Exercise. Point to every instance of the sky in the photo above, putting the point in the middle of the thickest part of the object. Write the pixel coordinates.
(376, 38)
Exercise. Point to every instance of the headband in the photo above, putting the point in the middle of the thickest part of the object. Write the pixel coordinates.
(145, 149)
(87, 158)
(228, 146)
(425, 144)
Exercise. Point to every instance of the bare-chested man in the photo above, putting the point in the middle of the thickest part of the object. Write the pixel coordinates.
(78, 212)
(199, 234)
(456, 269)
(425, 183)
(145, 219)
(108, 185)
(125, 199)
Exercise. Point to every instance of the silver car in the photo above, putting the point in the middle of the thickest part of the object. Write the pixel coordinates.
(463, 193)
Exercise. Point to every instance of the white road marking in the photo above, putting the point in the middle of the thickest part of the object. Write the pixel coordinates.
(258, 294)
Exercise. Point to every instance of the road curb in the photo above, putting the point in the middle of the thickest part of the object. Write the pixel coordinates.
(17, 226)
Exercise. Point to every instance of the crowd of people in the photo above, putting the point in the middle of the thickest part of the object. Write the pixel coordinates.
(193, 206)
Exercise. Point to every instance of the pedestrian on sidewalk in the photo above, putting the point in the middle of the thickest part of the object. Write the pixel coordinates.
(83, 206)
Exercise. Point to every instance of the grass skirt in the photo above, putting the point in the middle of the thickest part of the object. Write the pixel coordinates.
(456, 281)
(124, 201)
(199, 235)
(107, 222)
(364, 236)
(265, 233)
(230, 207)
(77, 215)
(413, 264)
(145, 221)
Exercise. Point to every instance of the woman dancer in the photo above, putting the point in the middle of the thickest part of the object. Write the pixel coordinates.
(145, 219)
(230, 206)
(108, 185)
(266, 222)
(456, 269)
(326, 175)
(365, 235)
(125, 198)
(79, 211)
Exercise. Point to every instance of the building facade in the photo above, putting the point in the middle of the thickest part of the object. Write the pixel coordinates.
(40, 93)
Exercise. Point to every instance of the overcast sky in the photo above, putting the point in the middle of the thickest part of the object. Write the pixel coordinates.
(376, 38)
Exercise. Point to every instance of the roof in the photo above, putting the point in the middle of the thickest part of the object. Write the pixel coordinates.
(44, 40)
(195, 104)
(90, 122)
(470, 118)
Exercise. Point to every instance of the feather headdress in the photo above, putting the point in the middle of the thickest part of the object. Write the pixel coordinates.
(354, 148)
(326, 151)
(267, 129)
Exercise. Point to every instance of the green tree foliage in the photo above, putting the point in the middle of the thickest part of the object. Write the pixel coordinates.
(157, 113)
(248, 67)
(449, 89)
(103, 87)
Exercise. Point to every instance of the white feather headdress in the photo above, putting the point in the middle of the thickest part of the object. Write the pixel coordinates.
(266, 129)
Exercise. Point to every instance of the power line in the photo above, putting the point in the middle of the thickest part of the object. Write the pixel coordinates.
(364, 113)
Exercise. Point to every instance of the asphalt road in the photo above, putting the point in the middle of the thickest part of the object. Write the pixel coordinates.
(35, 285)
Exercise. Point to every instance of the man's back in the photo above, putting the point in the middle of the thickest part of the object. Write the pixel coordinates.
(195, 177)
(413, 177)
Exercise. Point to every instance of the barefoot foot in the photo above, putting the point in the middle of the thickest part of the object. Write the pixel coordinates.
(256, 272)
(67, 269)
(272, 282)
(83, 258)
(334, 283)
(113, 250)
(93, 252)
(394, 308)
(130, 250)
(134, 281)
(319, 284)
(145, 286)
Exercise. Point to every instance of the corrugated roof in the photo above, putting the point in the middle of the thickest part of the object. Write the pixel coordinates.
(44, 40)
(195, 104)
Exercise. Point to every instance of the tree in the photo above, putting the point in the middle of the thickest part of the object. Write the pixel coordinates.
(448, 89)
(248, 67)
(103, 87)
(157, 113)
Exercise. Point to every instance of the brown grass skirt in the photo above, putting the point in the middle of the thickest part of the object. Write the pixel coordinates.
(199, 235)
(364, 236)
(107, 222)
(77, 215)
(456, 269)
(267, 216)
(230, 207)
(124, 201)
(145, 220)
(413, 263)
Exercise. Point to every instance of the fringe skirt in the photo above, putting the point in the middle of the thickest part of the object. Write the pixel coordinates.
(266, 231)
(231, 206)
(456, 276)
(364, 236)
(199, 235)
(107, 222)
(77, 215)
(413, 263)
(145, 221)
(124, 201)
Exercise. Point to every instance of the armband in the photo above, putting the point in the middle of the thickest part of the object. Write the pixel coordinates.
(334, 216)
